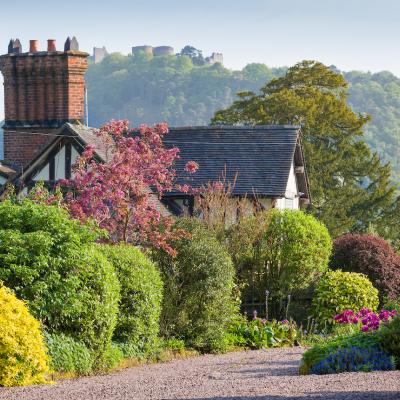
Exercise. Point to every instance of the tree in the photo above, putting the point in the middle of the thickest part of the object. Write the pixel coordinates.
(121, 192)
(350, 187)
(195, 54)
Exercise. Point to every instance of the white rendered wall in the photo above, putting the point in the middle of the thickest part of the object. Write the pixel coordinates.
(291, 199)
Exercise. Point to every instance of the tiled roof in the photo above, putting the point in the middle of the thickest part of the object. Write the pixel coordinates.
(261, 156)
(88, 136)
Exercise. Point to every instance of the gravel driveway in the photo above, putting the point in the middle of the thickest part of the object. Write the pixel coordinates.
(258, 375)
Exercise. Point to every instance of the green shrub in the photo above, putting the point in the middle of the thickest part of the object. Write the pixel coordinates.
(112, 357)
(174, 344)
(280, 251)
(322, 351)
(337, 291)
(354, 359)
(23, 355)
(392, 304)
(198, 300)
(50, 261)
(389, 334)
(141, 295)
(68, 354)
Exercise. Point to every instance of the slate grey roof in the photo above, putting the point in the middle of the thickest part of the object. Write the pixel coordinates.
(261, 156)
(87, 136)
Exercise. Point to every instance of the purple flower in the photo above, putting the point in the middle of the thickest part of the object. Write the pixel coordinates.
(365, 328)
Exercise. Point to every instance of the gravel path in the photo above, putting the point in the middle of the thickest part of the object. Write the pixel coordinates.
(259, 375)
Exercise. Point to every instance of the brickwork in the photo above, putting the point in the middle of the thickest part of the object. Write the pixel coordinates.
(21, 147)
(42, 91)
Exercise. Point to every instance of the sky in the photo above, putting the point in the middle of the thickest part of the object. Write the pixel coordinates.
(351, 34)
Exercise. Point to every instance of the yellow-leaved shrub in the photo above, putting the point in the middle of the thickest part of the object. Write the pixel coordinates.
(23, 354)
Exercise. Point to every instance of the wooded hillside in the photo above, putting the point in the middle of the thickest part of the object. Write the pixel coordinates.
(146, 89)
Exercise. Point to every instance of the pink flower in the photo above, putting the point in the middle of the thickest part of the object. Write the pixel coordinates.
(191, 167)
(365, 328)
(116, 193)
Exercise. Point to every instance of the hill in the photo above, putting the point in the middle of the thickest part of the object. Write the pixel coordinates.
(146, 89)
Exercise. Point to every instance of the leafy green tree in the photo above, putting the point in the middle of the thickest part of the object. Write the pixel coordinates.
(195, 54)
(279, 251)
(350, 187)
(145, 89)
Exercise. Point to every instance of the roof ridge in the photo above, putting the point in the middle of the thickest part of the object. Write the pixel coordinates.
(236, 127)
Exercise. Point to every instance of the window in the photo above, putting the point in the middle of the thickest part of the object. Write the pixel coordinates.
(289, 203)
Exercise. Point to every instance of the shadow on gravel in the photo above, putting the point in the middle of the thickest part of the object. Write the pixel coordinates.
(263, 373)
(315, 396)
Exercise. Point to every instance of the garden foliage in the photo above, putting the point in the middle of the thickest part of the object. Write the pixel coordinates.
(348, 193)
(337, 291)
(141, 295)
(366, 318)
(390, 338)
(115, 192)
(50, 261)
(320, 352)
(279, 251)
(354, 359)
(372, 256)
(259, 333)
(68, 354)
(23, 353)
(198, 303)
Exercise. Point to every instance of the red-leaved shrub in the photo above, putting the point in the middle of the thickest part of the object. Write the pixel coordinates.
(372, 256)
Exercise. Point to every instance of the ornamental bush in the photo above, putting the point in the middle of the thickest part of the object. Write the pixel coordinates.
(141, 295)
(198, 300)
(280, 251)
(50, 261)
(337, 291)
(68, 354)
(372, 256)
(23, 357)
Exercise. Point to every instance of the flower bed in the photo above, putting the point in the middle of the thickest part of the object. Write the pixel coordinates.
(369, 320)
(363, 350)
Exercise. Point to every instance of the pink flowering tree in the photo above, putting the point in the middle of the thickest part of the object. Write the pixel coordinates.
(121, 193)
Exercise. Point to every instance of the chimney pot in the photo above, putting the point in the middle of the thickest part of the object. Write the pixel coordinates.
(11, 47)
(51, 45)
(33, 46)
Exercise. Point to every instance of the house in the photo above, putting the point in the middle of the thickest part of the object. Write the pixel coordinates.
(44, 133)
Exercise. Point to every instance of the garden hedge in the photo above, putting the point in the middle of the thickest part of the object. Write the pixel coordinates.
(50, 261)
(198, 303)
(141, 295)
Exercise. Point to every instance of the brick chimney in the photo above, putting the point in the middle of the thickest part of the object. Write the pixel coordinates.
(42, 91)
